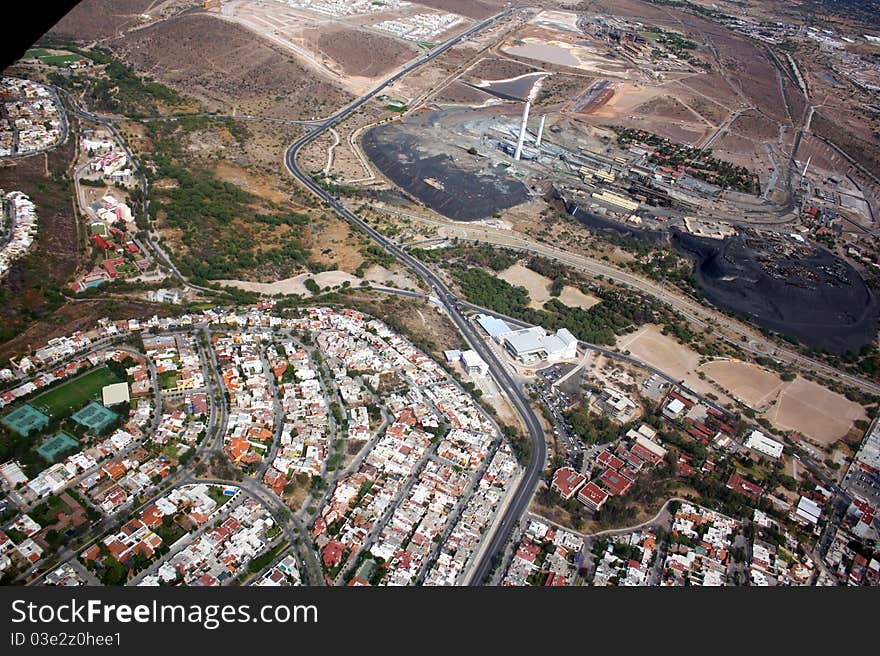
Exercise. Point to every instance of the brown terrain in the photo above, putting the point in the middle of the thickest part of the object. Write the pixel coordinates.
(234, 72)
(458, 93)
(364, 54)
(494, 68)
(30, 291)
(478, 9)
(93, 20)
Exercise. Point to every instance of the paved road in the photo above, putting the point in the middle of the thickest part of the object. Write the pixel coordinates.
(522, 495)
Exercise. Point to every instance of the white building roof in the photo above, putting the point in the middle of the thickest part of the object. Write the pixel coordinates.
(763, 444)
(808, 510)
(471, 358)
(492, 325)
(115, 393)
(527, 340)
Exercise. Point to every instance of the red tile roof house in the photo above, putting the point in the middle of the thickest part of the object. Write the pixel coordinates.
(592, 496)
(333, 553)
(567, 481)
(745, 487)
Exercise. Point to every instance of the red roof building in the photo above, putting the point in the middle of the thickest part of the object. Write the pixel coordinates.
(616, 484)
(608, 459)
(745, 487)
(567, 481)
(592, 496)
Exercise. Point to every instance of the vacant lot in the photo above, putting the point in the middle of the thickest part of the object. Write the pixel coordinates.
(235, 70)
(472, 8)
(574, 297)
(751, 384)
(817, 413)
(72, 395)
(651, 346)
(537, 285)
(364, 54)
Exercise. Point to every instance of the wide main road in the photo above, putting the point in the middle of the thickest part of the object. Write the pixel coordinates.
(522, 495)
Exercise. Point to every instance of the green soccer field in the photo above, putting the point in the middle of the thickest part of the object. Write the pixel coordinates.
(72, 395)
(48, 58)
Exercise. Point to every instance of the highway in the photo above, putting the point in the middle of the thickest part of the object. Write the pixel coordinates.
(523, 494)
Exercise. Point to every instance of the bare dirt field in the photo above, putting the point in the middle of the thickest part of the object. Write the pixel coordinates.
(478, 9)
(755, 126)
(496, 68)
(753, 385)
(537, 285)
(650, 345)
(458, 93)
(364, 54)
(236, 71)
(817, 413)
(574, 297)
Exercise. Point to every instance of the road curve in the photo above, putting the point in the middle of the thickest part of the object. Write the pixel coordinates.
(523, 493)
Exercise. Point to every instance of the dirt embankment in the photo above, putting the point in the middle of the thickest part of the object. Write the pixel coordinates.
(235, 70)
(29, 292)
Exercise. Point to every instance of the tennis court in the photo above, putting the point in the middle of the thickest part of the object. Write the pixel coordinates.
(25, 419)
(95, 417)
(60, 443)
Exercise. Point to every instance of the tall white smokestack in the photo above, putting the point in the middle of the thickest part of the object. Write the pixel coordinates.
(522, 132)
(540, 132)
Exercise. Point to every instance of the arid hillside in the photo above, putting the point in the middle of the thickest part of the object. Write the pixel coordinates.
(93, 20)
(228, 68)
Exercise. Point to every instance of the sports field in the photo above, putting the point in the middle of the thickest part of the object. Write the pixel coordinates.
(60, 443)
(54, 59)
(71, 396)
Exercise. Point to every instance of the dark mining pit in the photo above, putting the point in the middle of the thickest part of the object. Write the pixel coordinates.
(806, 292)
(450, 181)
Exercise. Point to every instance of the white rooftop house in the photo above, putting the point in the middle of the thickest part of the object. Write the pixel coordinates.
(763, 444)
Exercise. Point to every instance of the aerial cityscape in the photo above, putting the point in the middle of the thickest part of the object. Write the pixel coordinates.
(442, 293)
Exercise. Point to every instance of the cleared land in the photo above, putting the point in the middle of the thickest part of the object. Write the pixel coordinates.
(574, 297)
(364, 54)
(817, 413)
(537, 285)
(98, 19)
(661, 351)
(751, 384)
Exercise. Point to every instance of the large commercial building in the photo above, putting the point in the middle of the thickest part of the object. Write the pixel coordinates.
(763, 444)
(530, 345)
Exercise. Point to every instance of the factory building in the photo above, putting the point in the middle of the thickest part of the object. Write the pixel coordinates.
(616, 201)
